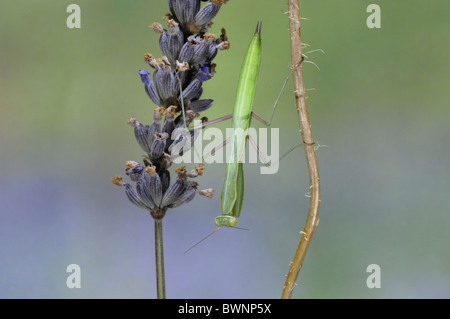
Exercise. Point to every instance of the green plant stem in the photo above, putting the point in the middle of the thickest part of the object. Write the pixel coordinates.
(314, 202)
(159, 256)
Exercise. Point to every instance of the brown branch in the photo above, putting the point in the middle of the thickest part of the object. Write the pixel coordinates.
(310, 151)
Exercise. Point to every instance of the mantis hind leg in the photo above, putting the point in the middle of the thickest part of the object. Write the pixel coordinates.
(269, 122)
(263, 158)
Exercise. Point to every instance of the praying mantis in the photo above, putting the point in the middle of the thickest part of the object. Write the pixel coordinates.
(232, 193)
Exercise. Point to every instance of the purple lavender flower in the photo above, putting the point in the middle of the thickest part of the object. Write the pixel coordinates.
(153, 192)
(188, 51)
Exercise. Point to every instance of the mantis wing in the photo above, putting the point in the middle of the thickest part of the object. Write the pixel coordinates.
(239, 191)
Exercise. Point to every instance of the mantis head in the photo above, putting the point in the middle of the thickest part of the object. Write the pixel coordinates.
(227, 221)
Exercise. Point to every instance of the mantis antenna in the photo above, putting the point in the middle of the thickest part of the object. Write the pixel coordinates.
(212, 233)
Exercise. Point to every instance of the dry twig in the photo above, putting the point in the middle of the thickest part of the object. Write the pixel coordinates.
(310, 151)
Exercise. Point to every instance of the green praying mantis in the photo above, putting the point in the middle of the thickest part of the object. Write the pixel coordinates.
(232, 193)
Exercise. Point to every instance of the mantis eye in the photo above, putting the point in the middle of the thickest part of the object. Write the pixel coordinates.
(227, 221)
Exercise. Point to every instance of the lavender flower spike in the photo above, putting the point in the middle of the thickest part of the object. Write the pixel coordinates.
(188, 50)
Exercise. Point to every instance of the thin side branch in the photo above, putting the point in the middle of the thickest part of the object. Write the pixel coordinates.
(310, 152)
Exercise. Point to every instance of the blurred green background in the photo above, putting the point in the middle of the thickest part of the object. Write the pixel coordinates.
(380, 103)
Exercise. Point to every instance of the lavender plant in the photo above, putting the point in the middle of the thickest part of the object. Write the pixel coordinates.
(188, 51)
